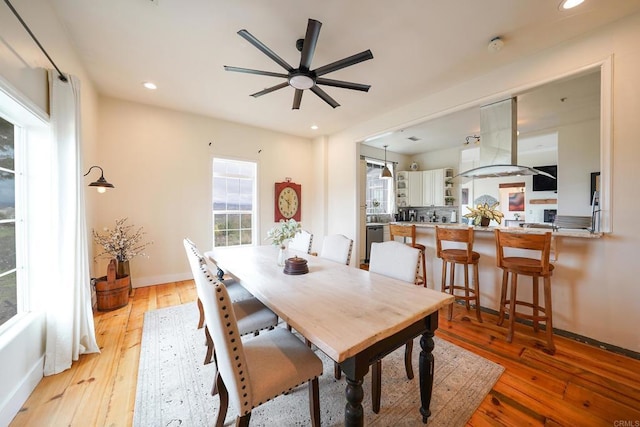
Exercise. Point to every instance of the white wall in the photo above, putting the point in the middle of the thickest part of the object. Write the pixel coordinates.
(447, 158)
(578, 147)
(161, 164)
(596, 294)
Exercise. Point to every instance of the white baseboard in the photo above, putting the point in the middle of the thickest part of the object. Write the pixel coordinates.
(139, 282)
(13, 403)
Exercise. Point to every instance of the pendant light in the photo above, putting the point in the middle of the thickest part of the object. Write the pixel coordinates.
(386, 173)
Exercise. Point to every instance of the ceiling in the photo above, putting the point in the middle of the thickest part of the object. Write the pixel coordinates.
(419, 47)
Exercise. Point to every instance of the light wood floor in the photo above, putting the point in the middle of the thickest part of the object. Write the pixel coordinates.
(580, 385)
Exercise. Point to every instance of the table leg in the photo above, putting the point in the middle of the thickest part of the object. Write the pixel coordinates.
(426, 374)
(353, 413)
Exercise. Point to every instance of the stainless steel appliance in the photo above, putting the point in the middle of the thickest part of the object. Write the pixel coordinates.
(375, 233)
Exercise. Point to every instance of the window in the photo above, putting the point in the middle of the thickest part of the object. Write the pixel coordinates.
(234, 202)
(8, 269)
(379, 190)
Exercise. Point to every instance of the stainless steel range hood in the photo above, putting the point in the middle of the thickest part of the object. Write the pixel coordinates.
(497, 171)
(499, 143)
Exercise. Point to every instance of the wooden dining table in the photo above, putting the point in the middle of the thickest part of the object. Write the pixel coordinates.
(353, 316)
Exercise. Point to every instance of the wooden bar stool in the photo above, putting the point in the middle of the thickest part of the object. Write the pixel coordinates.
(464, 257)
(534, 267)
(396, 230)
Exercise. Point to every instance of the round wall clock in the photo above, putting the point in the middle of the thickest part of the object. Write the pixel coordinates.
(288, 201)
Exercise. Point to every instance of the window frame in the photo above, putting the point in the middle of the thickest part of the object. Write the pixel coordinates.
(31, 128)
(389, 208)
(254, 199)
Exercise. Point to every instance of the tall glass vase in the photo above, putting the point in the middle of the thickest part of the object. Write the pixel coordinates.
(282, 254)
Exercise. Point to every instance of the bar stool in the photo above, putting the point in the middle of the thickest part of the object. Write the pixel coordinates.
(534, 267)
(464, 257)
(396, 230)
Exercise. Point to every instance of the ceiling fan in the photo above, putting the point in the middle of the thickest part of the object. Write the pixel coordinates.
(303, 77)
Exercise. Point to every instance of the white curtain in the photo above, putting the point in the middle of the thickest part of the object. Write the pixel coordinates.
(69, 319)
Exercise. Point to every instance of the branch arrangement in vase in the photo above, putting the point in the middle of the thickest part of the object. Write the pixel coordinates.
(121, 242)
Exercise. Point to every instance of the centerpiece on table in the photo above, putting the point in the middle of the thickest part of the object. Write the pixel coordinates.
(482, 214)
(280, 235)
(121, 243)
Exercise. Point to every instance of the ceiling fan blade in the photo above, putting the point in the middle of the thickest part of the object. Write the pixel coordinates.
(264, 49)
(297, 98)
(270, 89)
(259, 72)
(325, 97)
(346, 62)
(309, 44)
(344, 85)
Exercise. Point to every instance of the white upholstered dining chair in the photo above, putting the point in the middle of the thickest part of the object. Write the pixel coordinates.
(337, 247)
(399, 261)
(254, 371)
(302, 242)
(236, 290)
(252, 315)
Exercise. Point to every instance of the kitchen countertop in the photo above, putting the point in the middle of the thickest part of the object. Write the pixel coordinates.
(560, 233)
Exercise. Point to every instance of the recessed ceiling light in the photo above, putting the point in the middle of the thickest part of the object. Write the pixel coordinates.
(314, 127)
(570, 4)
(150, 85)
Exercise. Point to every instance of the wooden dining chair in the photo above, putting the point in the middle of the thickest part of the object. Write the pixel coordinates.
(337, 247)
(302, 242)
(255, 371)
(252, 315)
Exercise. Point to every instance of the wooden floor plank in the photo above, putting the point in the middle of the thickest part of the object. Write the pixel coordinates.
(623, 389)
(600, 405)
(497, 409)
(580, 385)
(544, 407)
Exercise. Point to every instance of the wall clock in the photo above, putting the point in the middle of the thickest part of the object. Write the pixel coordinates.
(288, 201)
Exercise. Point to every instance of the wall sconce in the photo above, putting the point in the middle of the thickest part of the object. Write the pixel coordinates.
(101, 184)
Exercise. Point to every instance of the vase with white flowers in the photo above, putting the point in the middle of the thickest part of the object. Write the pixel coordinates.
(280, 235)
(123, 243)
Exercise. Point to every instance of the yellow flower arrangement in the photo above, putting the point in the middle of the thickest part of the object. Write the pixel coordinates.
(485, 211)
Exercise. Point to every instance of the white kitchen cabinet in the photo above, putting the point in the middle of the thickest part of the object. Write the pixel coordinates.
(409, 189)
(435, 189)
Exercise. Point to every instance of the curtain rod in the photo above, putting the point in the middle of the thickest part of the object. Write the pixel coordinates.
(15, 12)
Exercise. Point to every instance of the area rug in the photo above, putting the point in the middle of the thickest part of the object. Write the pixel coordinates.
(174, 386)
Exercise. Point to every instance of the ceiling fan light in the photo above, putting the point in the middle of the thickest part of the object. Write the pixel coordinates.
(301, 81)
